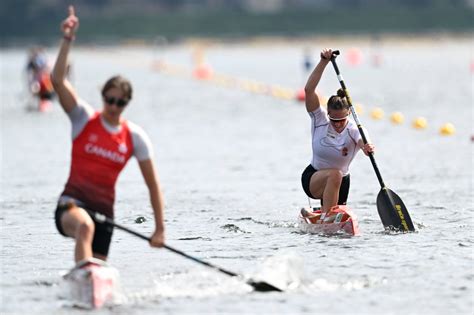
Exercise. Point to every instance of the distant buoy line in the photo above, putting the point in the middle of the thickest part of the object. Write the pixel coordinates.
(205, 73)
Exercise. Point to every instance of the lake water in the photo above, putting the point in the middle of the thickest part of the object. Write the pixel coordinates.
(230, 164)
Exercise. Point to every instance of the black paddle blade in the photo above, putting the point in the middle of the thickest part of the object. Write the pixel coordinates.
(263, 286)
(393, 212)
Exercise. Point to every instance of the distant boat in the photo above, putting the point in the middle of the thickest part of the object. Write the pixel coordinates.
(41, 92)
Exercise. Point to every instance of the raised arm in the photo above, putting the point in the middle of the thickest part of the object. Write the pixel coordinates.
(65, 91)
(156, 197)
(312, 99)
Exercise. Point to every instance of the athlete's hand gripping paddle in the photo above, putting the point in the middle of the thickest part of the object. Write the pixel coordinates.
(392, 211)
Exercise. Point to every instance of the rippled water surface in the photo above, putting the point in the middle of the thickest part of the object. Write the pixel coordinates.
(230, 164)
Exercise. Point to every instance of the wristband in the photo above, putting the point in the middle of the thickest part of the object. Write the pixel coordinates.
(69, 38)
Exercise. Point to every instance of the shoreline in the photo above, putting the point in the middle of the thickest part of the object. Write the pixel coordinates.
(428, 38)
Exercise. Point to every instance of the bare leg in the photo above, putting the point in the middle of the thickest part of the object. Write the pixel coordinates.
(79, 225)
(325, 184)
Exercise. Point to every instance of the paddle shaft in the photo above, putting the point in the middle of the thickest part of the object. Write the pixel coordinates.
(260, 286)
(392, 211)
(354, 114)
(102, 218)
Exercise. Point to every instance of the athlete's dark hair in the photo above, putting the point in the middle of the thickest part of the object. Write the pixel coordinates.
(339, 101)
(121, 83)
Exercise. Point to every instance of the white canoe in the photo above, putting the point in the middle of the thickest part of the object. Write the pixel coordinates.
(340, 219)
(92, 283)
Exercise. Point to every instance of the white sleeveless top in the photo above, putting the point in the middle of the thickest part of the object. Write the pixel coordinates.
(330, 148)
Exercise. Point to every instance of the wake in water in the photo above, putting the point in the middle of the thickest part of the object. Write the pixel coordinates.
(286, 271)
(271, 224)
(196, 283)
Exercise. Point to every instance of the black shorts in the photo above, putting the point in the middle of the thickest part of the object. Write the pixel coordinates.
(343, 191)
(102, 235)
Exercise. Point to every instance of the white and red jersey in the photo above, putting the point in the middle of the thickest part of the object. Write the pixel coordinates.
(330, 148)
(99, 154)
(98, 157)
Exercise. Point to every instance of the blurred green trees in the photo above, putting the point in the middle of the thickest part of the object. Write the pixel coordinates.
(109, 20)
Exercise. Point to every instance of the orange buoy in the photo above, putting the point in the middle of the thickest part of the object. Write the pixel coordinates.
(301, 95)
(354, 56)
(202, 72)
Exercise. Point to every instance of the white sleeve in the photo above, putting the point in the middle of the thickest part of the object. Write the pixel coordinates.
(142, 147)
(318, 116)
(355, 134)
(79, 117)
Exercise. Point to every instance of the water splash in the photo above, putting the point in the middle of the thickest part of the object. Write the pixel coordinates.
(196, 284)
(320, 284)
(284, 270)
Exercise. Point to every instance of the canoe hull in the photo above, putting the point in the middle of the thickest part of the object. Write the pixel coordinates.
(340, 219)
(92, 283)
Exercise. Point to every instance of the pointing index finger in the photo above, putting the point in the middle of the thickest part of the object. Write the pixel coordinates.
(71, 11)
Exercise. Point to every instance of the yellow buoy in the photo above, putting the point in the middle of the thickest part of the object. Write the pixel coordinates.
(397, 118)
(225, 80)
(377, 113)
(261, 88)
(359, 109)
(243, 84)
(254, 87)
(447, 129)
(282, 92)
(419, 123)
